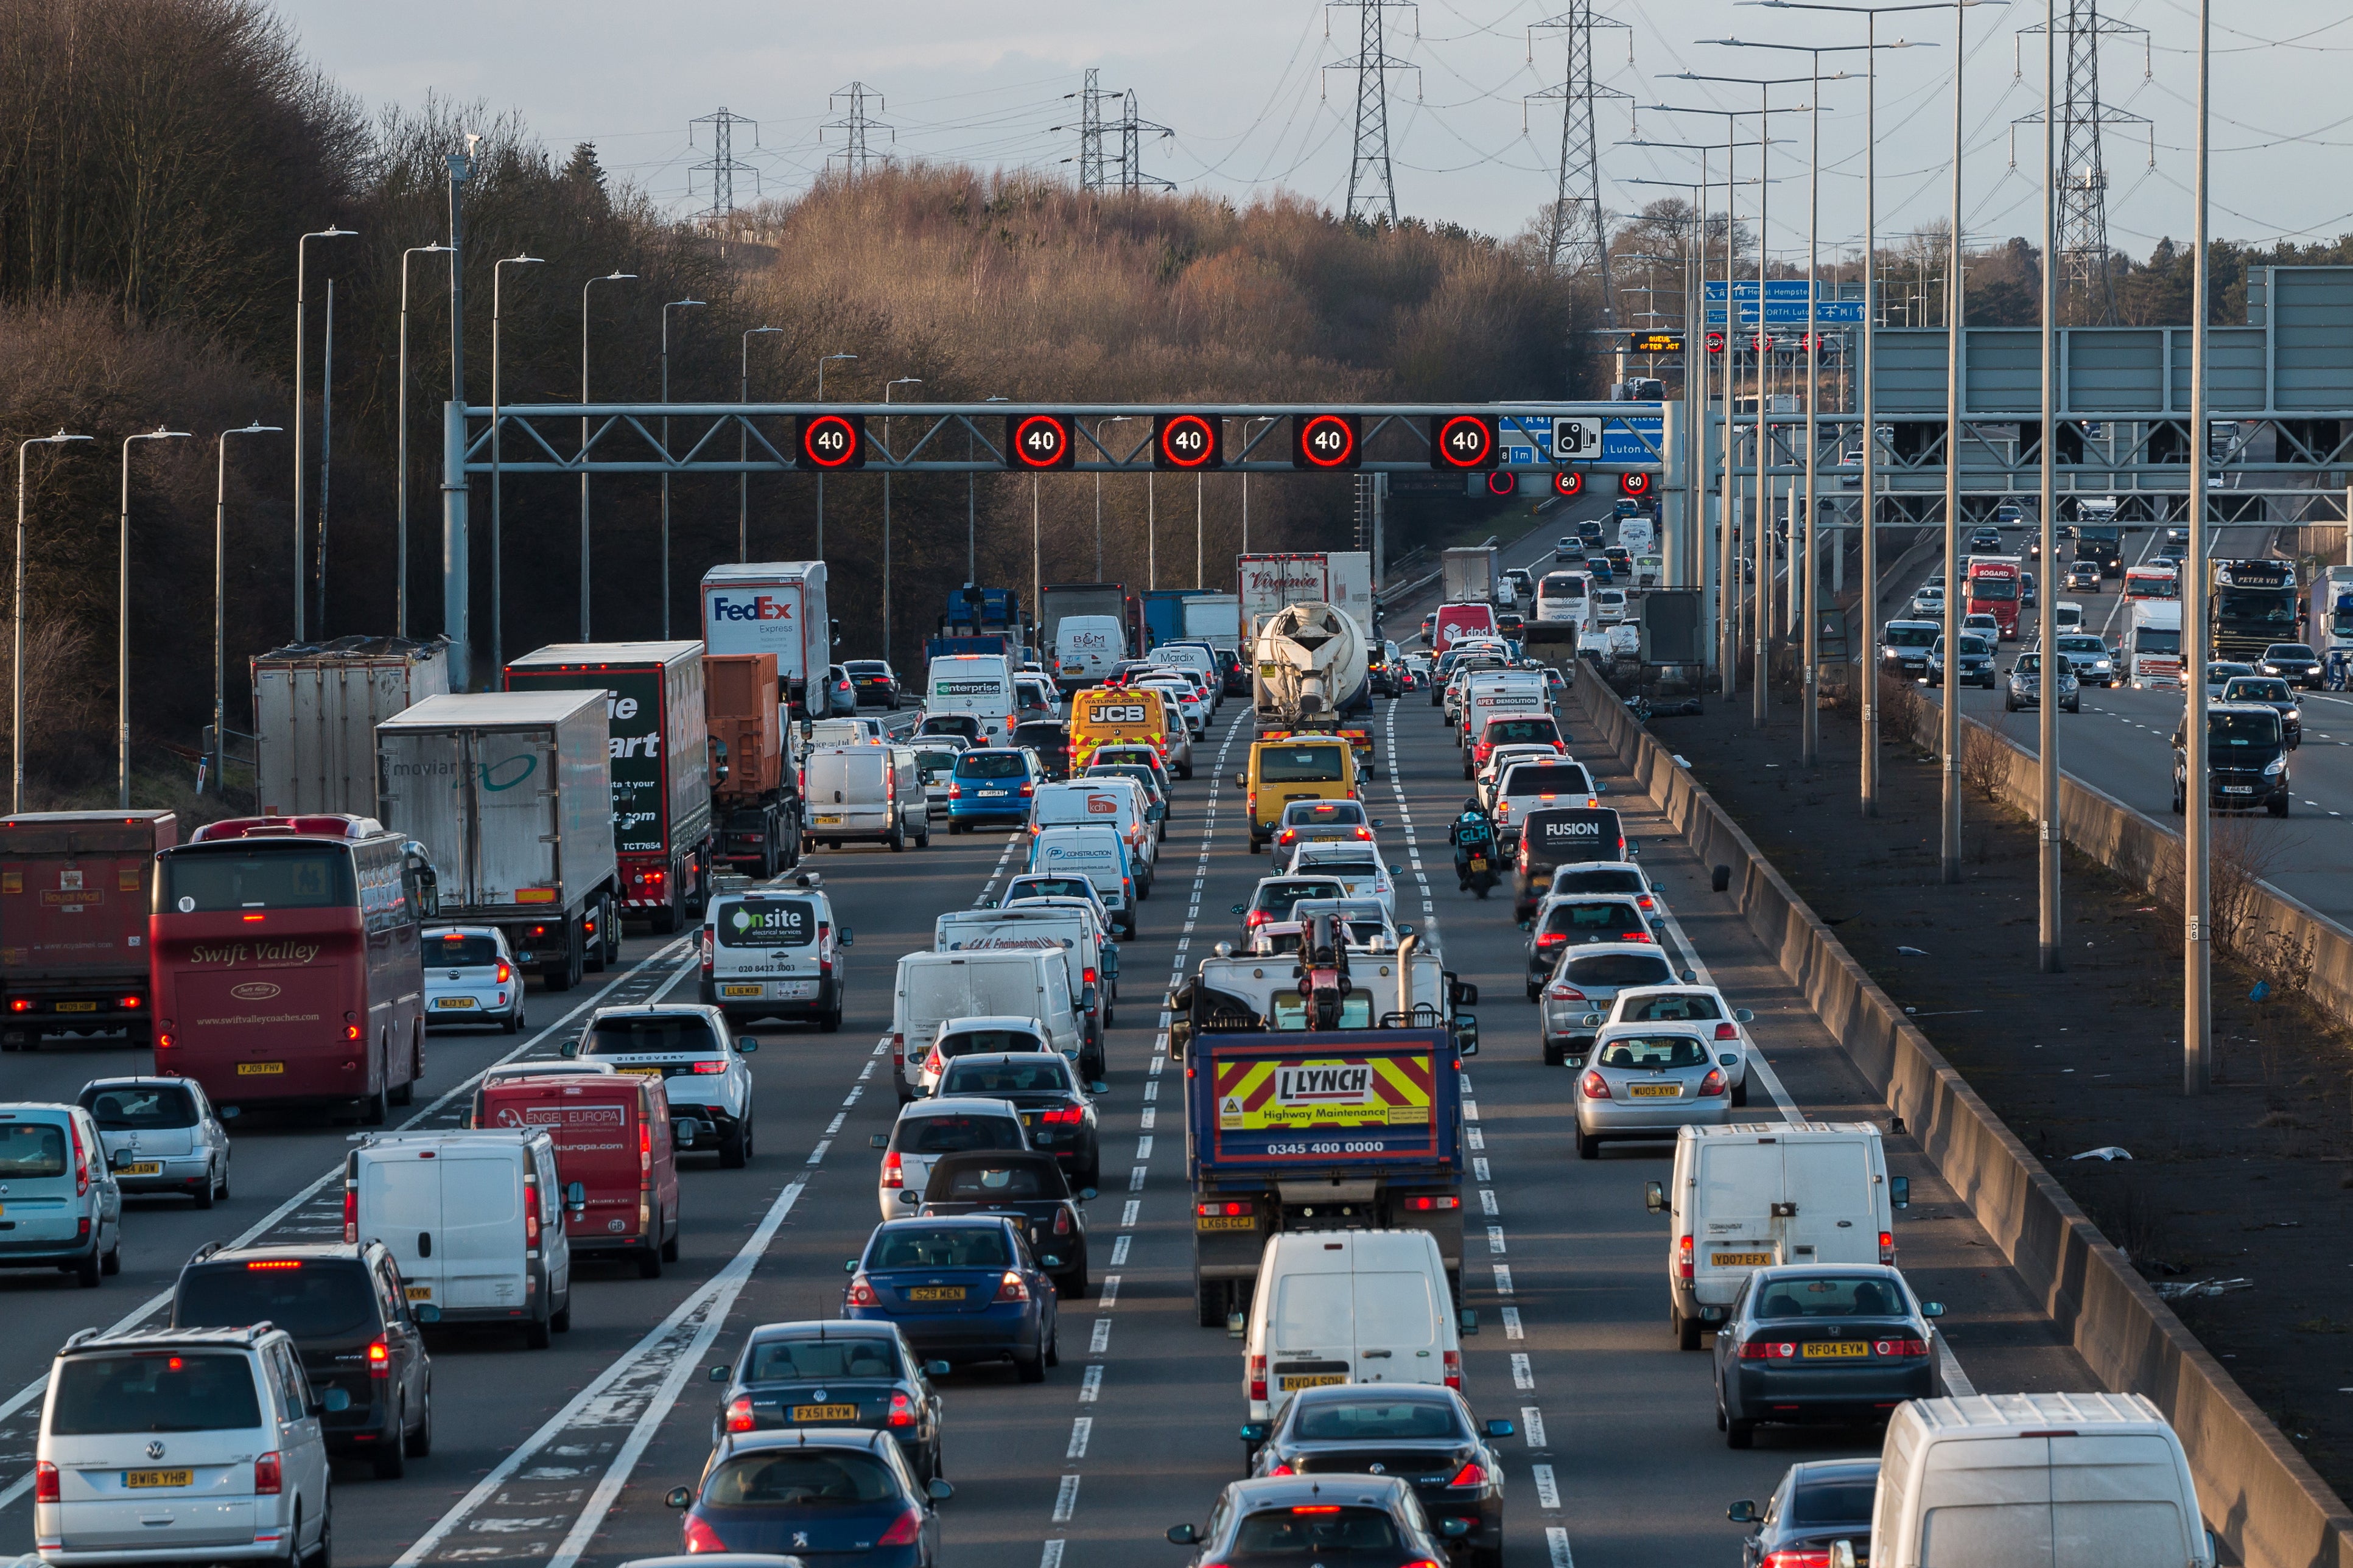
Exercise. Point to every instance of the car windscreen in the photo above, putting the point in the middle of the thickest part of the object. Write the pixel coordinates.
(1561, 585)
(797, 1361)
(1318, 1533)
(1910, 637)
(625, 1035)
(1052, 888)
(765, 922)
(939, 1247)
(1541, 778)
(933, 765)
(962, 1182)
(1519, 732)
(2256, 690)
(159, 1106)
(991, 764)
(1653, 1053)
(1360, 1420)
(1676, 1007)
(1047, 1074)
(801, 1477)
(1142, 776)
(1302, 765)
(323, 1299)
(153, 1391)
(1351, 869)
(1619, 969)
(30, 1149)
(1606, 879)
(2087, 646)
(956, 1134)
(202, 879)
(1994, 590)
(1042, 737)
(989, 1042)
(2157, 639)
(1276, 897)
(1976, 648)
(2243, 730)
(1323, 812)
(1585, 916)
(1830, 1296)
(456, 950)
(2294, 652)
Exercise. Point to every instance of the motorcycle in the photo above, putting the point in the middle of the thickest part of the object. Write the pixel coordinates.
(1476, 867)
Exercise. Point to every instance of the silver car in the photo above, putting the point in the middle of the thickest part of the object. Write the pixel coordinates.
(2025, 689)
(471, 978)
(161, 1136)
(1584, 985)
(1646, 1081)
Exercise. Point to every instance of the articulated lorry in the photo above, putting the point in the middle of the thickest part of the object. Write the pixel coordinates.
(773, 606)
(315, 710)
(2253, 605)
(756, 804)
(1338, 577)
(2330, 622)
(74, 894)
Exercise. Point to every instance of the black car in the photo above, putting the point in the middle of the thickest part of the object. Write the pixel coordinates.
(828, 1373)
(1578, 920)
(1985, 539)
(1903, 647)
(1821, 1345)
(2274, 693)
(872, 681)
(1368, 1521)
(2293, 662)
(1051, 739)
(1817, 1504)
(345, 1305)
(1026, 1187)
(1424, 1435)
(1232, 673)
(1381, 675)
(1054, 1108)
(2246, 759)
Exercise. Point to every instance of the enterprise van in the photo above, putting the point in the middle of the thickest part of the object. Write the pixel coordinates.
(1753, 1195)
(1348, 1306)
(474, 1219)
(978, 684)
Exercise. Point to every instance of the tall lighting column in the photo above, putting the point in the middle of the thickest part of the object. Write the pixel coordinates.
(666, 309)
(16, 704)
(615, 276)
(301, 301)
(744, 450)
(2047, 958)
(220, 599)
(497, 550)
(123, 621)
(2197, 948)
(400, 580)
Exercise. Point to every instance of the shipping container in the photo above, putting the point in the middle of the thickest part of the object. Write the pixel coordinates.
(74, 893)
(315, 710)
(772, 607)
(754, 796)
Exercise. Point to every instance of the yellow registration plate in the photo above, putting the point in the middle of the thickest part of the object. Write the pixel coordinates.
(137, 1479)
(739, 990)
(1225, 1221)
(832, 821)
(1655, 1092)
(824, 1413)
(936, 1293)
(260, 1070)
(141, 1168)
(83, 1007)
(1835, 1349)
(644, 1072)
(420, 1293)
(453, 1001)
(1740, 1259)
(1478, 863)
(1312, 1380)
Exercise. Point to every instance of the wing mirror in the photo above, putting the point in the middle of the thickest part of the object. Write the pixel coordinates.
(1183, 1535)
(1498, 1430)
(1655, 1197)
(335, 1399)
(845, 937)
(1454, 1528)
(679, 1497)
(1237, 908)
(685, 1131)
(1743, 1015)
(575, 1198)
(1470, 1320)
(1727, 1059)
(1466, 1035)
(1691, 976)
(428, 1313)
(1899, 1192)
(1932, 1309)
(121, 1158)
(719, 1374)
(1051, 1259)
(568, 1048)
(1842, 1554)
(1742, 1512)
(1404, 931)
(1465, 994)
(746, 1046)
(938, 1491)
(879, 1140)
(936, 1369)
(910, 1195)
(1241, 780)
(1397, 870)
(849, 1266)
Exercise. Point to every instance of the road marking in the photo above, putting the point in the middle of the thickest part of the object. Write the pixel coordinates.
(1548, 1488)
(1080, 1430)
(1531, 1427)
(1503, 1279)
(1511, 1330)
(1555, 1542)
(1053, 1556)
(1066, 1499)
(1091, 1385)
(1128, 1212)
(1099, 1343)
(1135, 1180)
(1119, 1250)
(1487, 1199)
(1948, 1367)
(1523, 1375)
(1109, 1291)
(1495, 1240)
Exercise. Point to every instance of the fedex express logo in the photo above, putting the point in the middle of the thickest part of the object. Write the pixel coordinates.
(760, 607)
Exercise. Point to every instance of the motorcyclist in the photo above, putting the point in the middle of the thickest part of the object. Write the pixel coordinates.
(1472, 833)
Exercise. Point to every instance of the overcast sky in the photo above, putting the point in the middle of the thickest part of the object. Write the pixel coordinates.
(1245, 89)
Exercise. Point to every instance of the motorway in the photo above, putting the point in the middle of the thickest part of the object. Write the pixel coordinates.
(563, 1456)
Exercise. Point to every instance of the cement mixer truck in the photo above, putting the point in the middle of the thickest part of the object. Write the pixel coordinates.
(1310, 676)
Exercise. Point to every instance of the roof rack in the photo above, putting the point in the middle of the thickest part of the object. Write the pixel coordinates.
(97, 1339)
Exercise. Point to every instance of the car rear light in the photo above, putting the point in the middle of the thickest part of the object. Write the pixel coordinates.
(81, 1160)
(905, 1530)
(269, 1477)
(45, 1482)
(1257, 918)
(956, 791)
(1257, 1377)
(1797, 1557)
(351, 1031)
(1633, 936)
(1551, 939)
(1767, 1350)
(739, 1414)
(893, 1172)
(644, 1151)
(350, 1214)
(506, 970)
(1470, 1474)
(1069, 1116)
(1887, 1249)
(1712, 1084)
(1593, 1086)
(701, 1537)
(131, 1002)
(379, 1354)
(708, 957)
(1453, 1365)
(1062, 1222)
(1228, 1209)
(1281, 1470)
(1727, 1032)
(862, 1293)
(903, 1410)
(530, 1216)
(1365, 833)
(709, 1070)
(934, 1064)
(1426, 1205)
(1899, 1347)
(1684, 1259)
(1562, 991)
(1011, 1288)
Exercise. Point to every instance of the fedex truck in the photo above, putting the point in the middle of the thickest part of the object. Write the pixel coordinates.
(1341, 578)
(772, 607)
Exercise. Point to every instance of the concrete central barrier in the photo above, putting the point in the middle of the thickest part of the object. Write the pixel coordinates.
(2269, 1507)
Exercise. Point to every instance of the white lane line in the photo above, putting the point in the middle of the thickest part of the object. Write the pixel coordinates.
(1548, 1488)
(1523, 1375)
(1119, 1250)
(1555, 1542)
(1757, 1065)
(1128, 1212)
(1503, 1279)
(1110, 1295)
(1091, 1385)
(1143, 1150)
(1066, 1499)
(1080, 1430)
(1512, 1329)
(1053, 1556)
(1099, 1343)
(1487, 1199)
(1495, 1240)
(1949, 1368)
(1531, 1427)
(1135, 1180)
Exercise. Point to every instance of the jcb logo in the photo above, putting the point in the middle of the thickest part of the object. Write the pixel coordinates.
(1119, 713)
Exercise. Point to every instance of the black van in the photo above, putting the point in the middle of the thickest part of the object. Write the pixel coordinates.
(1556, 838)
(2246, 759)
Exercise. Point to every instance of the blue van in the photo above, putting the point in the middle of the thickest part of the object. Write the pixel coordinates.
(65, 1207)
(991, 785)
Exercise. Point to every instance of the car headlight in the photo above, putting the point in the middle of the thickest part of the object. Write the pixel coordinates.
(2269, 669)
(2275, 766)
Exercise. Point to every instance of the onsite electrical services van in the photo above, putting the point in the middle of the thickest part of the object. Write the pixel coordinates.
(2066, 1480)
(932, 987)
(1349, 1306)
(1756, 1193)
(475, 1220)
(776, 953)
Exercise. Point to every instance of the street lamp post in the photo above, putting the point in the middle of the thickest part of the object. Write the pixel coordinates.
(220, 598)
(301, 301)
(400, 580)
(743, 451)
(123, 621)
(972, 520)
(497, 553)
(902, 381)
(822, 362)
(666, 309)
(2197, 948)
(16, 737)
(457, 549)
(615, 276)
(1122, 419)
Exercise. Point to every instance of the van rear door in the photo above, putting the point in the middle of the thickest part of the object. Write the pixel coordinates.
(400, 1204)
(1397, 1328)
(2118, 1498)
(1310, 1333)
(1732, 1222)
(1830, 1181)
(481, 1243)
(593, 1122)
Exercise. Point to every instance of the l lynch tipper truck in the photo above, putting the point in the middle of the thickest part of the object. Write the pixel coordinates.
(74, 893)
(315, 710)
(772, 607)
(660, 763)
(511, 792)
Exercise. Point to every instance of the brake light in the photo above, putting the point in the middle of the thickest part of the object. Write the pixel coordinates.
(644, 1151)
(862, 1293)
(1712, 1084)
(1029, 790)
(707, 957)
(273, 1264)
(81, 1160)
(893, 1173)
(1011, 1288)
(956, 790)
(1797, 1557)
(1454, 1368)
(351, 1212)
(1684, 1259)
(899, 1055)
(1562, 991)
(1281, 1470)
(933, 1062)
(1062, 1222)
(1257, 918)
(379, 1356)
(131, 1001)
(1594, 1086)
(1365, 833)
(1257, 1377)
(701, 1537)
(1551, 938)
(1887, 1249)
(1727, 1032)
(1900, 1347)
(709, 1070)
(529, 1214)
(506, 970)
(905, 1530)
(1069, 1116)
(1227, 1209)
(824, 949)
(269, 1477)
(902, 1411)
(1470, 1474)
(1426, 1205)
(45, 1482)
(1633, 936)
(1088, 975)
(1759, 1349)
(739, 1414)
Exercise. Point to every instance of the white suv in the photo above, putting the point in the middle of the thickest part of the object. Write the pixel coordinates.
(182, 1445)
(691, 1049)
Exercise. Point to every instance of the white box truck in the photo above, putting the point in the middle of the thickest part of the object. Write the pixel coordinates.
(511, 794)
(772, 607)
(1338, 577)
(315, 710)
(1470, 575)
(1215, 619)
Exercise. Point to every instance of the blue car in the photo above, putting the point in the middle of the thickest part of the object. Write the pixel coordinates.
(962, 1287)
(990, 784)
(829, 1493)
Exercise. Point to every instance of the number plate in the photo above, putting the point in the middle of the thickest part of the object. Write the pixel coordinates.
(1740, 1259)
(1225, 1221)
(2238, 789)
(136, 1479)
(825, 821)
(1312, 1380)
(144, 1168)
(453, 1001)
(93, 1007)
(1478, 863)
(740, 990)
(1834, 1349)
(936, 1293)
(824, 1413)
(260, 1070)
(1656, 1091)
(644, 1072)
(420, 1293)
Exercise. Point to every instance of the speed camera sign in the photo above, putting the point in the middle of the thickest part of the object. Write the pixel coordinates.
(1576, 438)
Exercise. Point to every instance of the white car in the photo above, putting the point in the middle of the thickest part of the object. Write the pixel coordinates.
(1699, 1004)
(1609, 606)
(1187, 697)
(161, 1136)
(1536, 784)
(1356, 867)
(1928, 604)
(1502, 757)
(691, 1049)
(935, 758)
(981, 1034)
(927, 1129)
(471, 978)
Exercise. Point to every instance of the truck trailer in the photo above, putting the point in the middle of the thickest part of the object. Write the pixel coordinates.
(773, 606)
(1343, 578)
(1061, 599)
(74, 891)
(1471, 575)
(315, 710)
(755, 804)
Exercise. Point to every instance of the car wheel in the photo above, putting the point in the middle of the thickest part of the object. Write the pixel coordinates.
(391, 1457)
(1740, 1092)
(2277, 805)
(1032, 1367)
(204, 1195)
(898, 840)
(1740, 1434)
(1552, 1054)
(323, 1554)
(669, 1247)
(1588, 1147)
(375, 1109)
(1687, 1331)
(111, 1262)
(1209, 1303)
(650, 1263)
(224, 1183)
(537, 1334)
(734, 1149)
(561, 1319)
(830, 1022)
(420, 1443)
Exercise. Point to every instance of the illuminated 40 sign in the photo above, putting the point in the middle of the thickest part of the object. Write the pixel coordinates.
(833, 441)
(1039, 441)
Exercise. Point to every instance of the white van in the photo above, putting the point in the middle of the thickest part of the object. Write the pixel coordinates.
(1754, 1194)
(1104, 801)
(1064, 928)
(979, 684)
(932, 987)
(776, 953)
(1348, 1306)
(1194, 656)
(2067, 1480)
(1492, 694)
(864, 792)
(1086, 649)
(1099, 854)
(475, 1220)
